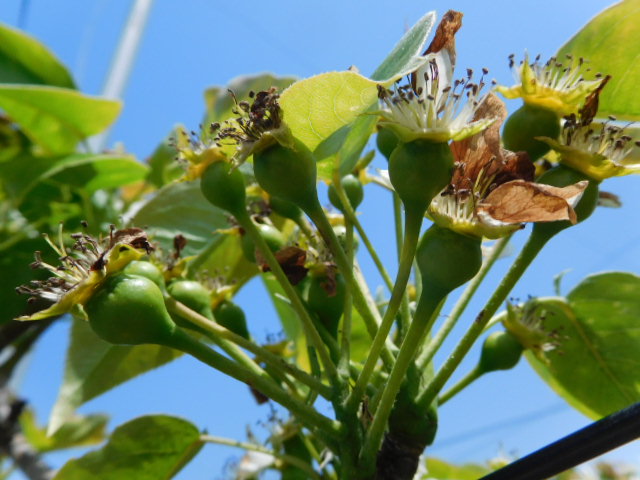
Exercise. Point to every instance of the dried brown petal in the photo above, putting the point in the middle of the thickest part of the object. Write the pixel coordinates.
(444, 38)
(291, 260)
(608, 199)
(519, 201)
(590, 108)
(136, 237)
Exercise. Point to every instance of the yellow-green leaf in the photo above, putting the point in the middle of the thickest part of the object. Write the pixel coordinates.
(154, 447)
(611, 44)
(23, 59)
(77, 431)
(317, 107)
(595, 367)
(56, 119)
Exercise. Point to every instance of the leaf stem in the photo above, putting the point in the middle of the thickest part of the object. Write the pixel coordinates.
(461, 385)
(263, 354)
(458, 309)
(534, 244)
(369, 312)
(312, 333)
(413, 222)
(305, 413)
(422, 322)
(296, 462)
(345, 346)
(350, 215)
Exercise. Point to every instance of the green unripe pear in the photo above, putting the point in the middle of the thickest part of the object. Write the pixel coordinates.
(341, 234)
(500, 351)
(288, 173)
(192, 294)
(272, 236)
(562, 176)
(231, 317)
(447, 259)
(285, 209)
(130, 310)
(386, 141)
(419, 170)
(224, 187)
(327, 305)
(145, 269)
(352, 189)
(526, 123)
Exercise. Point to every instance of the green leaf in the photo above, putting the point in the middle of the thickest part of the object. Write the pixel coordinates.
(94, 366)
(56, 119)
(332, 112)
(163, 167)
(154, 447)
(596, 367)
(406, 55)
(86, 172)
(23, 59)
(78, 431)
(14, 261)
(181, 208)
(96, 172)
(317, 107)
(611, 44)
(441, 470)
(220, 102)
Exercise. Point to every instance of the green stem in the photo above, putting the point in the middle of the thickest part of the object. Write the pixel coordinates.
(458, 309)
(345, 347)
(369, 312)
(262, 354)
(461, 385)
(422, 322)
(312, 333)
(413, 222)
(350, 215)
(296, 462)
(397, 217)
(529, 252)
(306, 414)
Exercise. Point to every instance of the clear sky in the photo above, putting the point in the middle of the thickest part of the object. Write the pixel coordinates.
(194, 44)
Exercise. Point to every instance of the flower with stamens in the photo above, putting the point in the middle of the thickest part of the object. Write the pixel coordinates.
(492, 192)
(552, 85)
(197, 152)
(598, 150)
(434, 106)
(83, 268)
(526, 322)
(258, 125)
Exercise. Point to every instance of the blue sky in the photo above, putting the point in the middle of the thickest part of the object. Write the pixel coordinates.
(191, 45)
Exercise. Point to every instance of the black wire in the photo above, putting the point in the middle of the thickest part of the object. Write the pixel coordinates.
(590, 442)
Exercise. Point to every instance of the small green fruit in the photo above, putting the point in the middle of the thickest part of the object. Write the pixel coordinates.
(130, 310)
(288, 173)
(419, 170)
(500, 351)
(147, 270)
(352, 188)
(192, 294)
(341, 235)
(447, 259)
(231, 317)
(274, 238)
(325, 298)
(224, 187)
(285, 209)
(386, 141)
(525, 124)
